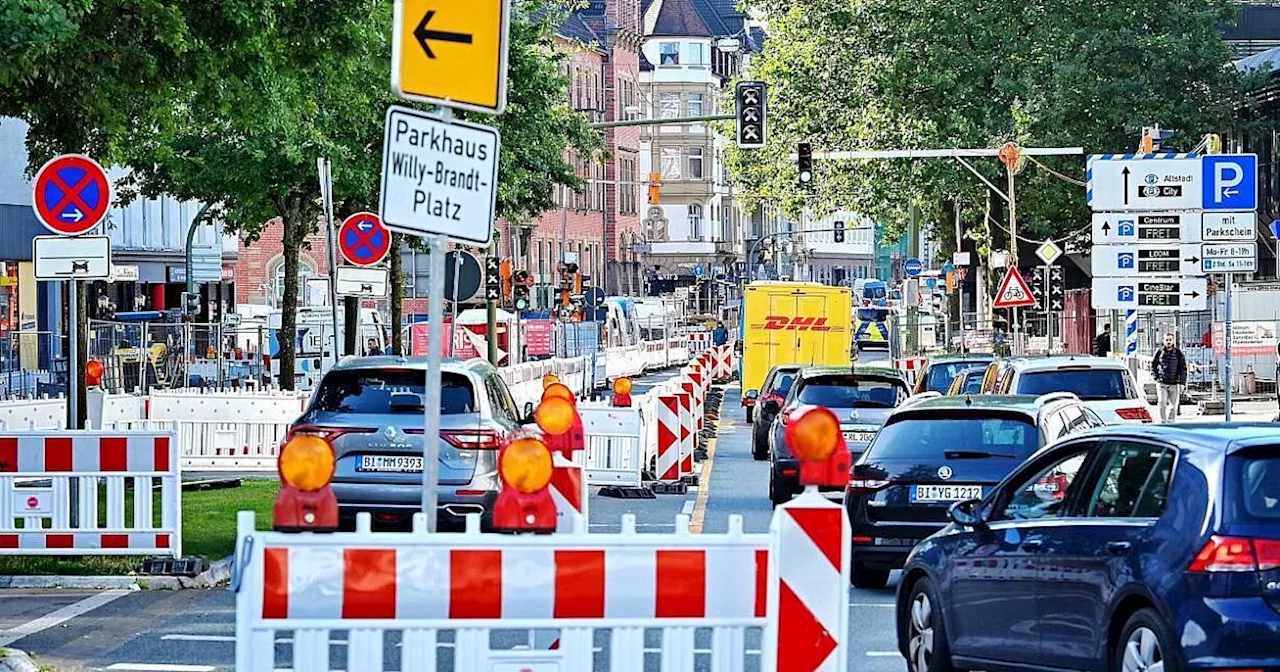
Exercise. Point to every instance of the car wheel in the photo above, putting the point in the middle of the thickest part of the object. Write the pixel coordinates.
(862, 576)
(1146, 644)
(776, 497)
(750, 411)
(759, 449)
(927, 648)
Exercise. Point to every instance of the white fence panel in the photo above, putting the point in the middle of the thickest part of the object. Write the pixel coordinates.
(40, 516)
(614, 452)
(209, 445)
(33, 413)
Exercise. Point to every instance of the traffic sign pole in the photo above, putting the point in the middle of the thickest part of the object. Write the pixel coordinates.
(431, 402)
(1226, 335)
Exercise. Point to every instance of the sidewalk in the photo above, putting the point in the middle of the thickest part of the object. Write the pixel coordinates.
(1242, 411)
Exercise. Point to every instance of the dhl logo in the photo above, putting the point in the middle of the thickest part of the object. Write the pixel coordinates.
(780, 323)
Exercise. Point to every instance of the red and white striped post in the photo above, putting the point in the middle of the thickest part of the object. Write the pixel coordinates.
(669, 438)
(686, 431)
(569, 492)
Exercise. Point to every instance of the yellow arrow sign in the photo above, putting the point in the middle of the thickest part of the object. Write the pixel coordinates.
(452, 52)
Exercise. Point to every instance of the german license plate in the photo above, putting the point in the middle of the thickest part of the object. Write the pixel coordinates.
(945, 493)
(391, 463)
(859, 437)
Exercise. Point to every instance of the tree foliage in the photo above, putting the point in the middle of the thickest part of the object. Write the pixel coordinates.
(232, 102)
(903, 74)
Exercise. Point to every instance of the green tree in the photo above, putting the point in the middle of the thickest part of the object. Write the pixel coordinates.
(232, 102)
(890, 74)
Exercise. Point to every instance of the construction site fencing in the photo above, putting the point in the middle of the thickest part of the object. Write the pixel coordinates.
(32, 364)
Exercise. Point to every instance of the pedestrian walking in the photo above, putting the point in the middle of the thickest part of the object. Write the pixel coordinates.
(1169, 367)
(373, 350)
(1102, 343)
(721, 335)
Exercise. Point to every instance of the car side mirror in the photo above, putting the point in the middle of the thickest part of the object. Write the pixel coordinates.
(528, 414)
(753, 394)
(967, 513)
(772, 406)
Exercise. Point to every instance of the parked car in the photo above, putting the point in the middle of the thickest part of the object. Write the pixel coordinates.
(935, 452)
(1104, 383)
(966, 381)
(861, 397)
(1110, 572)
(371, 411)
(942, 369)
(776, 386)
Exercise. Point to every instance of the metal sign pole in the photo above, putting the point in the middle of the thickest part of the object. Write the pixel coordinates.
(1226, 334)
(73, 359)
(431, 414)
(326, 195)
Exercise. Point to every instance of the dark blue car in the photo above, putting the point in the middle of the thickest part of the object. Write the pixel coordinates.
(1126, 548)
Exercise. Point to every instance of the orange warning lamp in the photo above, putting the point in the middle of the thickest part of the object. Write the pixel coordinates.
(93, 371)
(306, 502)
(559, 389)
(524, 504)
(814, 437)
(555, 415)
(549, 379)
(622, 393)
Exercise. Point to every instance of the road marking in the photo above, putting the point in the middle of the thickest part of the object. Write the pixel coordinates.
(883, 654)
(688, 506)
(198, 638)
(156, 667)
(704, 479)
(881, 605)
(60, 616)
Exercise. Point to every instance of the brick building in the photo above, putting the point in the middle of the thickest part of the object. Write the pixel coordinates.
(259, 277)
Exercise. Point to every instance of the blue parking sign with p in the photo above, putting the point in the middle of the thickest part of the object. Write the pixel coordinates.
(1230, 182)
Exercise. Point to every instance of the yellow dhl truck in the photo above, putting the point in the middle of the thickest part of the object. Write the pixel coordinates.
(791, 323)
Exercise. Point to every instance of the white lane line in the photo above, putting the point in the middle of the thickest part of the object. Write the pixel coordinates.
(156, 667)
(59, 616)
(198, 638)
(878, 605)
(688, 507)
(638, 525)
(883, 654)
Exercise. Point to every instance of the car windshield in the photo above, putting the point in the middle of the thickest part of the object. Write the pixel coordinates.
(1088, 384)
(872, 315)
(931, 435)
(1253, 484)
(972, 383)
(391, 391)
(851, 391)
(782, 383)
(942, 373)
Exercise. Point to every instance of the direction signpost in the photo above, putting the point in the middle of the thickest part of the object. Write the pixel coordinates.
(1163, 221)
(440, 176)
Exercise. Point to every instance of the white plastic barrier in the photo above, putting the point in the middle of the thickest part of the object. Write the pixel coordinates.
(92, 460)
(381, 587)
(215, 445)
(624, 361)
(33, 413)
(260, 406)
(613, 454)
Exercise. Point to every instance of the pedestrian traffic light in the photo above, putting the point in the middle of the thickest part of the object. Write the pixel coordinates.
(751, 115)
(520, 289)
(805, 154)
(839, 232)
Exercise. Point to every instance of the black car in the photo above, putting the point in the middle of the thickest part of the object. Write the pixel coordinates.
(941, 370)
(938, 451)
(862, 397)
(776, 386)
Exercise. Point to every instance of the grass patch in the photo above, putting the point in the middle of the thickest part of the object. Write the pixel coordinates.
(208, 529)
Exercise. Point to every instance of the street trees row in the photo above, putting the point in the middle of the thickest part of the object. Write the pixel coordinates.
(890, 74)
(232, 102)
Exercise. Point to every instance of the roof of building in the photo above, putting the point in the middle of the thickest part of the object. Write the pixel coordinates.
(575, 28)
(675, 18)
(1267, 61)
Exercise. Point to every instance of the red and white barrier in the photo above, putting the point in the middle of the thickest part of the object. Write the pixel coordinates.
(378, 585)
(670, 438)
(569, 492)
(911, 367)
(688, 429)
(698, 343)
(92, 460)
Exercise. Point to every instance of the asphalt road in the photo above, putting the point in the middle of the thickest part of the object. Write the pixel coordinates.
(193, 631)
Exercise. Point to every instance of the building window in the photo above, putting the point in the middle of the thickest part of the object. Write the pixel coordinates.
(698, 53)
(695, 110)
(695, 222)
(668, 106)
(695, 163)
(305, 271)
(627, 186)
(669, 53)
(671, 163)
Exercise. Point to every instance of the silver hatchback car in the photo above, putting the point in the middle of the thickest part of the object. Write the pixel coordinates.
(371, 411)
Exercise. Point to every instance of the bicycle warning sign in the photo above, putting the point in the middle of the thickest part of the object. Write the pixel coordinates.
(1014, 292)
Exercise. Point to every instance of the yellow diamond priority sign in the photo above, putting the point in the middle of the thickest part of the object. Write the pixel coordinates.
(1048, 252)
(452, 52)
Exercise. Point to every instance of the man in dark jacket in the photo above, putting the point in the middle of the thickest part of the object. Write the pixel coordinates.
(1169, 367)
(1102, 343)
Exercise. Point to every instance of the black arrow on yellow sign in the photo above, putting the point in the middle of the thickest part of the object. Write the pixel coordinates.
(425, 35)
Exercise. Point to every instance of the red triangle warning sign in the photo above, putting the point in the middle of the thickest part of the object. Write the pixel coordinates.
(1014, 292)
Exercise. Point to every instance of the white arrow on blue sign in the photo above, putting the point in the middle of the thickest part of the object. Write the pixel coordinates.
(1135, 182)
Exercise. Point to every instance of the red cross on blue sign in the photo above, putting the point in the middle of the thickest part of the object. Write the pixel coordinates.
(363, 240)
(71, 195)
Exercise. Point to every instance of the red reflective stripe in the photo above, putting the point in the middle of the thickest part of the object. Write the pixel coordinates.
(57, 454)
(113, 454)
(369, 583)
(475, 584)
(822, 526)
(9, 455)
(8, 541)
(681, 584)
(59, 541)
(115, 541)
(162, 541)
(762, 582)
(161, 456)
(275, 583)
(579, 584)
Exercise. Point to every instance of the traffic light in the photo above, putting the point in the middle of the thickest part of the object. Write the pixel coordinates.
(839, 232)
(521, 281)
(751, 115)
(191, 303)
(805, 153)
(655, 188)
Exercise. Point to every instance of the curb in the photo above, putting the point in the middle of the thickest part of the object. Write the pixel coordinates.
(17, 661)
(219, 572)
